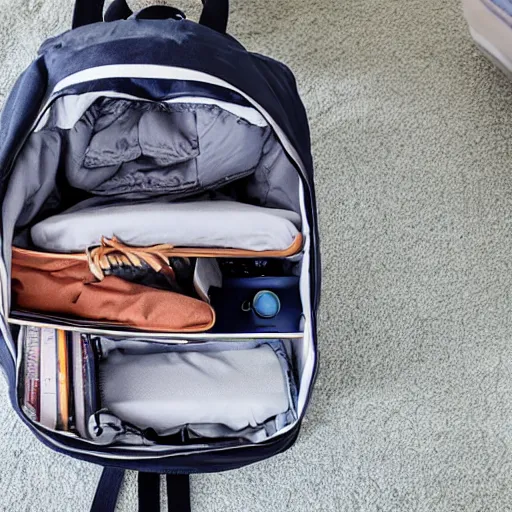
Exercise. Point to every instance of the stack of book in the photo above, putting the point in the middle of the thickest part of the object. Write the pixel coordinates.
(59, 385)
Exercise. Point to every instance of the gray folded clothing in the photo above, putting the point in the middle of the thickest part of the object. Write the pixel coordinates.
(210, 224)
(235, 388)
(121, 146)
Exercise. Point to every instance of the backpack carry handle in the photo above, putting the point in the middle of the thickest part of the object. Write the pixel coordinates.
(119, 10)
(159, 12)
(214, 15)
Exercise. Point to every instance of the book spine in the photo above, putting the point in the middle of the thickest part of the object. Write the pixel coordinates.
(63, 380)
(48, 372)
(31, 398)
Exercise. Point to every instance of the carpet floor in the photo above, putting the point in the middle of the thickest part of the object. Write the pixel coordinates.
(412, 139)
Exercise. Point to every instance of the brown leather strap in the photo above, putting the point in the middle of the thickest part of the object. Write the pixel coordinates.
(188, 252)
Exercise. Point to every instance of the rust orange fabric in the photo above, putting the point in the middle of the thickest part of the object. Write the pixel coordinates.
(66, 286)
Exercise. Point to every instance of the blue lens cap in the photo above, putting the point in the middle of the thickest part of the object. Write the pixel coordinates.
(266, 304)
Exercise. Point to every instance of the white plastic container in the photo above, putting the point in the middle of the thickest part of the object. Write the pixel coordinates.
(490, 25)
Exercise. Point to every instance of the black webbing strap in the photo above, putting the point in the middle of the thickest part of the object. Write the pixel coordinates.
(149, 492)
(178, 493)
(107, 491)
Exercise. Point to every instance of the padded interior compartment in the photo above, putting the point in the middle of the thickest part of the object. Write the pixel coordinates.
(201, 294)
(213, 390)
(150, 394)
(189, 175)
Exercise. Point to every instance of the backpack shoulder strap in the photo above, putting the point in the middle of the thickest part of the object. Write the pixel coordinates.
(149, 492)
(118, 10)
(178, 493)
(87, 12)
(107, 492)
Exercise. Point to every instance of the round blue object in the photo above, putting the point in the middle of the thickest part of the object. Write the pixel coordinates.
(266, 304)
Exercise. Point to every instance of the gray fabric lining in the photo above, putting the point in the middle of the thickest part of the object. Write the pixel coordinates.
(120, 147)
(67, 110)
(31, 184)
(208, 389)
(273, 189)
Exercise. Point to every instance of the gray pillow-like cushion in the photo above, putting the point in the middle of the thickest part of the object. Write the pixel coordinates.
(209, 224)
(236, 388)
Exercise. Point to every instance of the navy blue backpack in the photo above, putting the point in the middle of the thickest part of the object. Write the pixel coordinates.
(160, 155)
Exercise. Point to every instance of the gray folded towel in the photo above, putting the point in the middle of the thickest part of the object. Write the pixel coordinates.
(210, 224)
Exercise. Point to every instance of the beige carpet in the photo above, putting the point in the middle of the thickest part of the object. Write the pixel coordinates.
(412, 137)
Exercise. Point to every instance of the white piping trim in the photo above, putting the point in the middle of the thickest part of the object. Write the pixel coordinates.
(172, 338)
(6, 335)
(308, 354)
(153, 71)
(68, 109)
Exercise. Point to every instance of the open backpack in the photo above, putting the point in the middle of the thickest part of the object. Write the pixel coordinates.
(159, 264)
